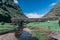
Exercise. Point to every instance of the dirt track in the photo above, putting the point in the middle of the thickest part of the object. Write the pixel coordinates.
(8, 36)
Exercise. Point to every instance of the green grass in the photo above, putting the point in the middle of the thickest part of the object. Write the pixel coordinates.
(40, 36)
(53, 26)
(6, 27)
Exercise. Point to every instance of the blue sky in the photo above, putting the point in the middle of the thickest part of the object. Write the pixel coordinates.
(36, 8)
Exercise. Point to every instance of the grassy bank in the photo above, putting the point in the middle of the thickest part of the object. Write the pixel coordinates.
(43, 28)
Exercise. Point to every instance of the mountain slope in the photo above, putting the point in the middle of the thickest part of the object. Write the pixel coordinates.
(54, 13)
(11, 8)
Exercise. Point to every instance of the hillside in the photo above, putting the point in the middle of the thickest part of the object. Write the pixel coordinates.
(11, 8)
(54, 13)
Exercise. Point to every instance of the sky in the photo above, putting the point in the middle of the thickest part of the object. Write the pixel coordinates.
(36, 8)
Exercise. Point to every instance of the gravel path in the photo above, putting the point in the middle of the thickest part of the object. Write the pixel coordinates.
(8, 36)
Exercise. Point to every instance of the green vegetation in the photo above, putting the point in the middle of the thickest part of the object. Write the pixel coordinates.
(11, 8)
(7, 27)
(40, 36)
(52, 26)
(14, 12)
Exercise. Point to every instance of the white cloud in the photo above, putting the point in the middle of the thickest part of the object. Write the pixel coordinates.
(15, 1)
(34, 15)
(52, 4)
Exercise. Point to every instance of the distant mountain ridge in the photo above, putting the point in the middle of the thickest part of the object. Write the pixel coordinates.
(54, 13)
